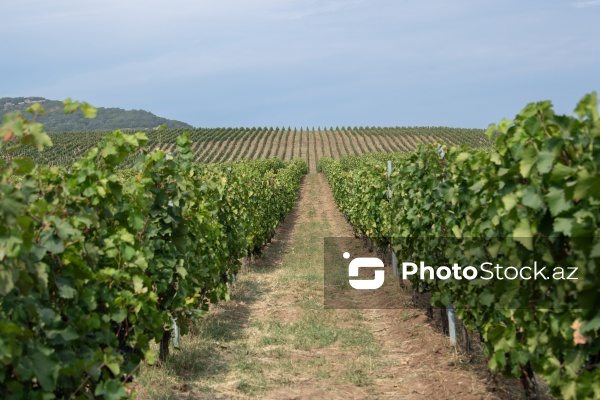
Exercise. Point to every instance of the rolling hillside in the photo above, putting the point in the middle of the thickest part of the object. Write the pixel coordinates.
(107, 119)
(225, 144)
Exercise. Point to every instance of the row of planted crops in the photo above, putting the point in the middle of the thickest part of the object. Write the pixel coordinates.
(98, 261)
(534, 198)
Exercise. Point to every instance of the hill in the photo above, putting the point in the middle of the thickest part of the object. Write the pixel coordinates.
(227, 144)
(108, 119)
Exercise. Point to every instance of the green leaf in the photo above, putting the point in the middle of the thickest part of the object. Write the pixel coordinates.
(127, 237)
(51, 243)
(22, 165)
(128, 253)
(88, 110)
(510, 201)
(532, 199)
(545, 161)
(40, 138)
(114, 367)
(66, 334)
(70, 106)
(6, 281)
(119, 315)
(182, 272)
(591, 325)
(563, 225)
(138, 283)
(588, 107)
(45, 367)
(456, 231)
(568, 390)
(65, 290)
(557, 202)
(486, 298)
(588, 186)
(528, 158)
(36, 108)
(463, 157)
(560, 172)
(111, 390)
(477, 186)
(150, 356)
(523, 234)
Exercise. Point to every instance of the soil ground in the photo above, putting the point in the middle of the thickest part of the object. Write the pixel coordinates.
(275, 339)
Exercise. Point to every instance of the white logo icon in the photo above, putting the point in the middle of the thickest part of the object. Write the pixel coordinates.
(365, 262)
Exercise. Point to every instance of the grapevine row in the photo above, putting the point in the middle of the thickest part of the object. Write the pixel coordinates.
(97, 261)
(534, 197)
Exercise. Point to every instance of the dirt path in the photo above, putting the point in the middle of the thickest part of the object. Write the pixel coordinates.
(269, 144)
(326, 145)
(372, 142)
(215, 151)
(334, 149)
(288, 146)
(250, 145)
(320, 146)
(200, 149)
(354, 146)
(260, 145)
(236, 148)
(298, 150)
(311, 145)
(361, 141)
(277, 144)
(275, 339)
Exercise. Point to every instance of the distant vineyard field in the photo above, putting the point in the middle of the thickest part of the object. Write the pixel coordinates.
(226, 144)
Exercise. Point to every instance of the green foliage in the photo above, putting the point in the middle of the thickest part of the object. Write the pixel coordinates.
(55, 120)
(96, 260)
(536, 197)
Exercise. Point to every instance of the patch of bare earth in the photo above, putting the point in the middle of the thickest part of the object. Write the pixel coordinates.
(354, 146)
(298, 150)
(202, 149)
(236, 148)
(342, 143)
(328, 145)
(310, 151)
(361, 141)
(216, 151)
(268, 144)
(250, 145)
(281, 142)
(208, 152)
(260, 145)
(320, 145)
(274, 148)
(375, 145)
(413, 141)
(289, 138)
(394, 146)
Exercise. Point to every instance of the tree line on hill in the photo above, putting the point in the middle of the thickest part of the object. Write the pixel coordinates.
(55, 120)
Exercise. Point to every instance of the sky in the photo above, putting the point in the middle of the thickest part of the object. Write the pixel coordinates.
(305, 63)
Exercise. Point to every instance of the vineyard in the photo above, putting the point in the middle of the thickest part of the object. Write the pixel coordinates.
(231, 144)
(536, 197)
(117, 247)
(98, 261)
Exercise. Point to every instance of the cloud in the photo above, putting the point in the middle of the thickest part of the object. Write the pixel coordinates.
(586, 4)
(266, 55)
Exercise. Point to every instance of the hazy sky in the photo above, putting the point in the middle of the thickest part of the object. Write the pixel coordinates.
(460, 63)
